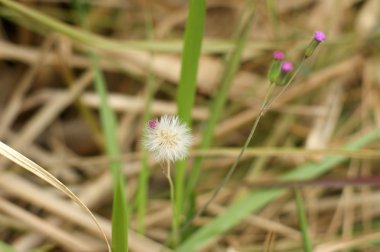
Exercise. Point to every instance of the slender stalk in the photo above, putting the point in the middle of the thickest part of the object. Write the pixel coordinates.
(232, 64)
(237, 160)
(264, 106)
(247, 141)
(175, 223)
(301, 213)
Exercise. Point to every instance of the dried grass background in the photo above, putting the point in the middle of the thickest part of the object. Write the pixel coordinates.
(46, 84)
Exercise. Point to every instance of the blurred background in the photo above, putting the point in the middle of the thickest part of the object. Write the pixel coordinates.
(50, 112)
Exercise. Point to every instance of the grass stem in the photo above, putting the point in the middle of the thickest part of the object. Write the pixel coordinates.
(307, 245)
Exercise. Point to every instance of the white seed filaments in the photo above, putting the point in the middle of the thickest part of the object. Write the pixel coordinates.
(167, 139)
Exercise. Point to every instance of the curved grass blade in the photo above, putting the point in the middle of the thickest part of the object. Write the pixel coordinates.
(94, 40)
(40, 172)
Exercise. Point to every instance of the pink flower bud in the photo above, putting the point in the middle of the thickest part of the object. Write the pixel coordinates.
(286, 67)
(278, 55)
(152, 123)
(319, 36)
(317, 39)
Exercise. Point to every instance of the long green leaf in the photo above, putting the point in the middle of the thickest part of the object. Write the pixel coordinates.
(119, 207)
(187, 85)
(143, 180)
(190, 59)
(258, 199)
(108, 119)
(220, 99)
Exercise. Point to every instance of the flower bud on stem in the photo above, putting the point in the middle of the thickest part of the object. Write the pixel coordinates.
(317, 39)
(274, 69)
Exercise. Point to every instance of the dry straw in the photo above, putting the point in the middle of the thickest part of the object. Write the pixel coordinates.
(37, 170)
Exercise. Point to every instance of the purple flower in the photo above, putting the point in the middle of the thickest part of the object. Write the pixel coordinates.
(286, 67)
(317, 39)
(319, 36)
(278, 55)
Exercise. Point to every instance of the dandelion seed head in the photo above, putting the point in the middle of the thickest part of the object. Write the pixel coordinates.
(167, 138)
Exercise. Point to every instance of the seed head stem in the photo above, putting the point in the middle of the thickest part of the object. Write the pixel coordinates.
(175, 216)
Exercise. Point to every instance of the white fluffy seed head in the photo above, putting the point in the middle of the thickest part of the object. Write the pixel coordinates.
(167, 138)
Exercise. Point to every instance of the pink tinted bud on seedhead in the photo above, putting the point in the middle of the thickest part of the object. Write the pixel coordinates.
(278, 55)
(286, 67)
(319, 36)
(152, 123)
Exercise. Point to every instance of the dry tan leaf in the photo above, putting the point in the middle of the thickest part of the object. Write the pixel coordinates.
(368, 17)
(324, 125)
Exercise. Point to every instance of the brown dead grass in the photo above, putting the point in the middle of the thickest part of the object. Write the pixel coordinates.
(334, 99)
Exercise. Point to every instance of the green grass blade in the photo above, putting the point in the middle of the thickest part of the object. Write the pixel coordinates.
(220, 99)
(190, 59)
(258, 199)
(108, 119)
(187, 84)
(143, 180)
(273, 15)
(36, 21)
(301, 214)
(77, 34)
(91, 39)
(119, 207)
(142, 193)
(119, 213)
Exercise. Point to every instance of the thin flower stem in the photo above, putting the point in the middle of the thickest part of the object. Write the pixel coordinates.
(265, 105)
(175, 219)
(237, 160)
